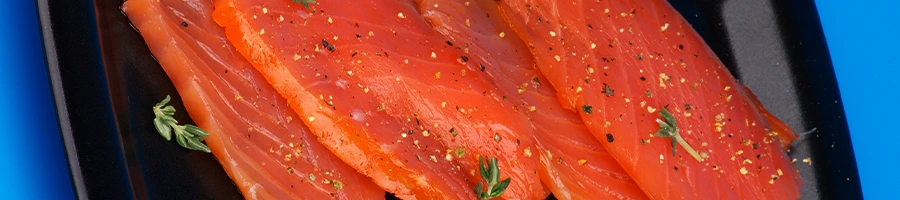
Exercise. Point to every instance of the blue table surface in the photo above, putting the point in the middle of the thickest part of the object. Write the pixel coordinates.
(862, 37)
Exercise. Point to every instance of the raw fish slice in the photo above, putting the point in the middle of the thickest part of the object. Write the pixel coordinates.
(265, 152)
(386, 94)
(573, 163)
(620, 63)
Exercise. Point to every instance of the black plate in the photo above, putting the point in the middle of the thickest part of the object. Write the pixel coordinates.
(105, 80)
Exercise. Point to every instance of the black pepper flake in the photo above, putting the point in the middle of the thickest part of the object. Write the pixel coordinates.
(680, 47)
(535, 82)
(687, 106)
(356, 24)
(608, 91)
(449, 43)
(464, 58)
(587, 109)
(354, 54)
(755, 145)
(643, 142)
(676, 168)
(358, 36)
(643, 79)
(609, 137)
(649, 94)
(482, 67)
(328, 46)
(453, 131)
(640, 56)
(591, 27)
(185, 24)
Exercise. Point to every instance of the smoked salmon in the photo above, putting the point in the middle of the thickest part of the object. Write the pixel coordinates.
(573, 163)
(259, 140)
(635, 70)
(348, 99)
(387, 94)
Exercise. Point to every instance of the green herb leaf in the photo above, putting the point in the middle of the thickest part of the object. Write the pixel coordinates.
(483, 169)
(501, 187)
(305, 3)
(163, 102)
(163, 129)
(491, 187)
(478, 189)
(168, 110)
(668, 128)
(188, 136)
(194, 130)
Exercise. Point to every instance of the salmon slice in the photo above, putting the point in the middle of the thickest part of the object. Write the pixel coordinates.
(620, 63)
(573, 163)
(260, 142)
(385, 93)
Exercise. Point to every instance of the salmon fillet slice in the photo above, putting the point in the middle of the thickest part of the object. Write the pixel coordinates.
(573, 163)
(385, 93)
(619, 64)
(252, 134)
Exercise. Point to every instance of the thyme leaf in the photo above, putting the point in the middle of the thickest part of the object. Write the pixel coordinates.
(491, 187)
(668, 128)
(188, 136)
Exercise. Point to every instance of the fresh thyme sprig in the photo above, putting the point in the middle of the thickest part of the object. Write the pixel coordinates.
(305, 3)
(188, 136)
(491, 174)
(669, 129)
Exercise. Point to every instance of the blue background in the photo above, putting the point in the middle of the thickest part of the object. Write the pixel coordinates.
(32, 160)
(862, 37)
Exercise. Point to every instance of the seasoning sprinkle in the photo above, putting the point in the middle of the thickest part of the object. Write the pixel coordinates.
(453, 131)
(606, 90)
(587, 109)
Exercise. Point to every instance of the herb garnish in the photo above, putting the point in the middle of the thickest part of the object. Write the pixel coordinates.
(491, 174)
(669, 129)
(188, 136)
(305, 3)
